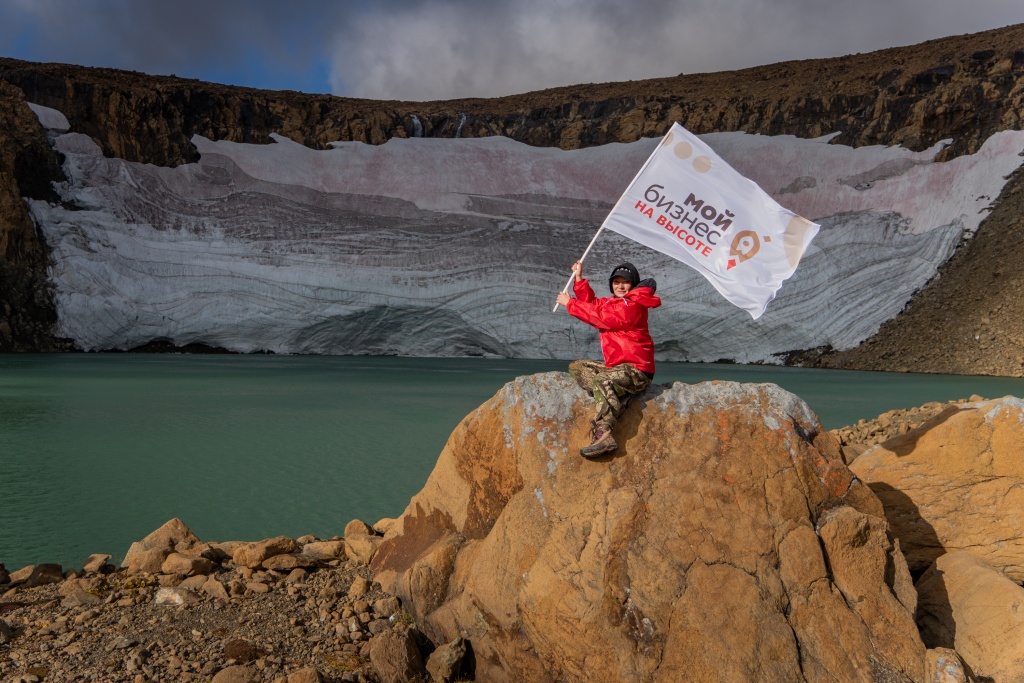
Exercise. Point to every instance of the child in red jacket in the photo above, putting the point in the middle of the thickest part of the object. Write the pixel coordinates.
(626, 343)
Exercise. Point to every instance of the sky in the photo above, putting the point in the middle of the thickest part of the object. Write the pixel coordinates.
(421, 50)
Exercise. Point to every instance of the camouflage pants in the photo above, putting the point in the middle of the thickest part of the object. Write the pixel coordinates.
(612, 387)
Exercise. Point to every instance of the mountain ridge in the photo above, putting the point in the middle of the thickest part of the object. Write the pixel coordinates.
(963, 87)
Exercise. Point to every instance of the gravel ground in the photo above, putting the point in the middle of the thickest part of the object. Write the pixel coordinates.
(298, 626)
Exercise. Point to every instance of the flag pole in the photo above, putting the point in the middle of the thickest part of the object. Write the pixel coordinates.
(617, 202)
(585, 252)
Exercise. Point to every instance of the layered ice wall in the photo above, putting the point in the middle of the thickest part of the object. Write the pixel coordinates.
(458, 246)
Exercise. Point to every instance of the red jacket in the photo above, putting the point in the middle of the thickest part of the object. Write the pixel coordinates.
(621, 322)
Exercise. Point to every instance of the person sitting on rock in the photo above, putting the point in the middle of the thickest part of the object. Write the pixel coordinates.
(626, 343)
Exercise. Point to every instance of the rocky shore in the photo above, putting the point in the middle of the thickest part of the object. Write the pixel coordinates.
(730, 539)
(284, 610)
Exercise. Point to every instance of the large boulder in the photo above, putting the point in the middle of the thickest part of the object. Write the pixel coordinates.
(725, 540)
(967, 605)
(955, 483)
(148, 555)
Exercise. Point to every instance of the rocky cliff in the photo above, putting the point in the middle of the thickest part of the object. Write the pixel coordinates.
(724, 540)
(965, 88)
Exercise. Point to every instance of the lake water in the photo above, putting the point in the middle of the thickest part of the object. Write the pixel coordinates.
(98, 450)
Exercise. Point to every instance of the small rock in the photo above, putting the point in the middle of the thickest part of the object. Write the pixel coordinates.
(297, 575)
(80, 598)
(86, 616)
(325, 550)
(358, 527)
(445, 663)
(175, 596)
(123, 644)
(257, 587)
(237, 674)
(378, 626)
(253, 554)
(215, 589)
(242, 651)
(396, 658)
(170, 580)
(361, 549)
(386, 607)
(288, 562)
(173, 536)
(359, 587)
(37, 575)
(95, 563)
(177, 563)
(194, 583)
(383, 526)
(307, 675)
(6, 633)
(943, 665)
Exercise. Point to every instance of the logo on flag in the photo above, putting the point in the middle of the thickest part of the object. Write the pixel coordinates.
(688, 203)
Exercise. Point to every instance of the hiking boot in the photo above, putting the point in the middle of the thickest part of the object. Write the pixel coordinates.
(603, 443)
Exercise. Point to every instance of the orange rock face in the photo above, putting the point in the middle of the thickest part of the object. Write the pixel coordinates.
(955, 483)
(725, 540)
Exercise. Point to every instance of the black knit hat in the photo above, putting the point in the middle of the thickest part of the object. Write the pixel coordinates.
(627, 271)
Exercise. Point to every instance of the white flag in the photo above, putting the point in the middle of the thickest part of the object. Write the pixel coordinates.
(688, 203)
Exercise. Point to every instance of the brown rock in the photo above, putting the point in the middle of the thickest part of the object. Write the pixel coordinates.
(384, 525)
(288, 562)
(358, 527)
(943, 665)
(325, 550)
(967, 605)
(175, 596)
(148, 554)
(193, 583)
(386, 607)
(72, 585)
(253, 554)
(242, 651)
(691, 554)
(297, 575)
(396, 658)
(361, 549)
(307, 675)
(95, 563)
(873, 578)
(149, 561)
(359, 588)
(445, 663)
(37, 575)
(177, 563)
(80, 599)
(237, 674)
(215, 589)
(976, 450)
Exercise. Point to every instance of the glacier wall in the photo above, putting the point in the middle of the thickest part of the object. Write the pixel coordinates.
(458, 246)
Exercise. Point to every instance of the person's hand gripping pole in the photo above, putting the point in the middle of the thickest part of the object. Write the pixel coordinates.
(577, 273)
(564, 298)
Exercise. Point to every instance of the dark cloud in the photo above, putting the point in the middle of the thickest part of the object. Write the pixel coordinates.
(438, 49)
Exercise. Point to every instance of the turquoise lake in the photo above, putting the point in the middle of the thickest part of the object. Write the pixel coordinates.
(98, 450)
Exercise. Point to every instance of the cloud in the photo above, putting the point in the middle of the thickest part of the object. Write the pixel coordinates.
(235, 41)
(442, 49)
(453, 48)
